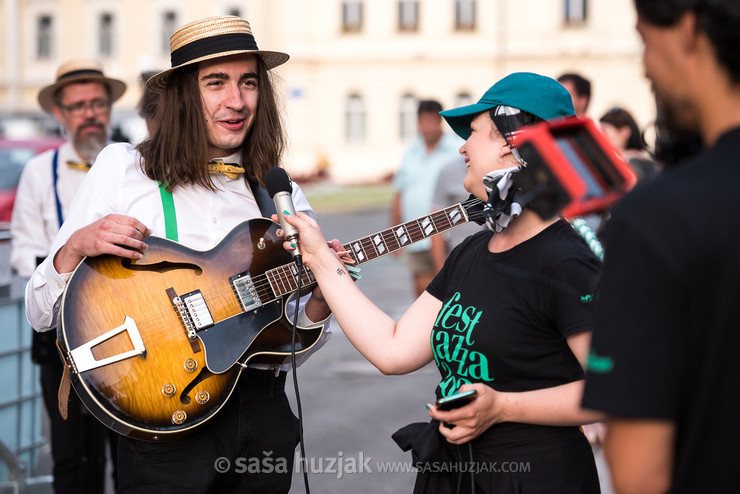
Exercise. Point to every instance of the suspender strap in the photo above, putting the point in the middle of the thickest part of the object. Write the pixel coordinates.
(55, 180)
(170, 217)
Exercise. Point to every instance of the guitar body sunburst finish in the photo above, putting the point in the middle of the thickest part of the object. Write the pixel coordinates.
(177, 382)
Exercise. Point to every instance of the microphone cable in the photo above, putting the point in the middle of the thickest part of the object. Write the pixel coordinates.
(299, 408)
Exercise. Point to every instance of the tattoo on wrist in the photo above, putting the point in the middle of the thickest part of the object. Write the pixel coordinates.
(341, 272)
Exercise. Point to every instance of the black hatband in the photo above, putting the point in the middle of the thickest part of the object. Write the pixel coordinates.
(77, 73)
(212, 44)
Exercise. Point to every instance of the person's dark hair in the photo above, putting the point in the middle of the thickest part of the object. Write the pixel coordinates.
(429, 106)
(717, 19)
(177, 152)
(620, 118)
(580, 83)
(147, 106)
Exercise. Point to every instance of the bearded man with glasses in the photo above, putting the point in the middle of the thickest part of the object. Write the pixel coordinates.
(80, 99)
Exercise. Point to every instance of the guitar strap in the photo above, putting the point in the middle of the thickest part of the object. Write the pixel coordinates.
(263, 199)
(63, 393)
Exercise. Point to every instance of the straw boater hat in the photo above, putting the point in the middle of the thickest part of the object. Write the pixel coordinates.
(79, 71)
(213, 37)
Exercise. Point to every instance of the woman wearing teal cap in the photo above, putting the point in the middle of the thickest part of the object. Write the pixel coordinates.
(509, 316)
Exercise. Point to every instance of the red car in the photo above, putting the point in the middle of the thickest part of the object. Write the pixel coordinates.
(13, 156)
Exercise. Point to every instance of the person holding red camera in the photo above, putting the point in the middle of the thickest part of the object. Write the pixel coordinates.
(509, 315)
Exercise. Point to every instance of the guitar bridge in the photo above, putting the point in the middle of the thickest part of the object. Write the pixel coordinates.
(245, 291)
(193, 312)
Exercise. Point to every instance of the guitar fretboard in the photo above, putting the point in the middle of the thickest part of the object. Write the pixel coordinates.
(283, 278)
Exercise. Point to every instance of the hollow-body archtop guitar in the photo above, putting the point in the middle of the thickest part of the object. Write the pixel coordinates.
(156, 346)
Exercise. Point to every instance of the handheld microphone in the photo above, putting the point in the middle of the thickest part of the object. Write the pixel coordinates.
(278, 185)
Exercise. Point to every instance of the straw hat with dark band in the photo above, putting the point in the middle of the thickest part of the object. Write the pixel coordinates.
(213, 37)
(79, 71)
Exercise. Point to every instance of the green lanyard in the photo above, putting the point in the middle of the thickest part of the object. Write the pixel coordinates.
(170, 217)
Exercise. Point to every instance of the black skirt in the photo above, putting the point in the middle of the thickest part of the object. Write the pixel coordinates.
(508, 458)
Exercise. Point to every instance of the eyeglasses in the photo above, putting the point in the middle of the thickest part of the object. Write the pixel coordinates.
(98, 106)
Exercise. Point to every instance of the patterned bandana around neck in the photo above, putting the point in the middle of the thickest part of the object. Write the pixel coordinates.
(504, 198)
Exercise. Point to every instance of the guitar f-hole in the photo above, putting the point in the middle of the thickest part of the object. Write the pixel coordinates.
(202, 376)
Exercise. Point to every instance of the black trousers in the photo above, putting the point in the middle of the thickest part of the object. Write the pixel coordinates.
(247, 447)
(78, 443)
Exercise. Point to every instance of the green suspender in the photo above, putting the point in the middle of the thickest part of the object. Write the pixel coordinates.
(170, 217)
(264, 201)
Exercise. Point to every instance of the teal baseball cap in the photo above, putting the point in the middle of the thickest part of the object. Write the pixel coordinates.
(532, 93)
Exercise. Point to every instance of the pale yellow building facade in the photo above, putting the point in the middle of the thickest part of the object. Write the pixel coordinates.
(357, 67)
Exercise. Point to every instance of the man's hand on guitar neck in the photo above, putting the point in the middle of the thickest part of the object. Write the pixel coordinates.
(113, 234)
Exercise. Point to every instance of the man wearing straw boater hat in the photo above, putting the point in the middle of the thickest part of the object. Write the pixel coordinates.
(80, 99)
(216, 132)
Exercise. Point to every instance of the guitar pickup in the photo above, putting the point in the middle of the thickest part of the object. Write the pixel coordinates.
(197, 310)
(245, 291)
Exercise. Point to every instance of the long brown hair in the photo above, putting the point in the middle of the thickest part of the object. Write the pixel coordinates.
(176, 153)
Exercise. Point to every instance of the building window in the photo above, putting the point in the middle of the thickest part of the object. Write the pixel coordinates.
(575, 11)
(44, 28)
(355, 119)
(105, 35)
(352, 16)
(169, 25)
(408, 15)
(408, 117)
(464, 15)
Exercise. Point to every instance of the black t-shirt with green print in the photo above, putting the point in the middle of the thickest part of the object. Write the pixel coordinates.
(505, 316)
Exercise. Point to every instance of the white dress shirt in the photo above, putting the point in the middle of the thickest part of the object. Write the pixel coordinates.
(117, 185)
(35, 224)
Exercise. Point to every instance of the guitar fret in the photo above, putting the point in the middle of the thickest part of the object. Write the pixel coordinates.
(370, 249)
(359, 251)
(454, 216)
(274, 281)
(427, 226)
(282, 279)
(391, 240)
(379, 243)
(418, 232)
(402, 235)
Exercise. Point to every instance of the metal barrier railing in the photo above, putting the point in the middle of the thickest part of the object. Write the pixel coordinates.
(21, 404)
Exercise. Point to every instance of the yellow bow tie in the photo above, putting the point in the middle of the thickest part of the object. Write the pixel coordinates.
(79, 165)
(231, 170)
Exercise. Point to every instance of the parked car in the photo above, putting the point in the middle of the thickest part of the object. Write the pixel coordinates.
(13, 156)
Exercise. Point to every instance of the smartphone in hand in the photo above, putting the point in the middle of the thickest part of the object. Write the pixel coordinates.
(456, 400)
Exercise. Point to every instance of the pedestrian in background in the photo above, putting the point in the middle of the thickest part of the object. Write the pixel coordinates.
(80, 99)
(580, 91)
(625, 135)
(414, 184)
(449, 190)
